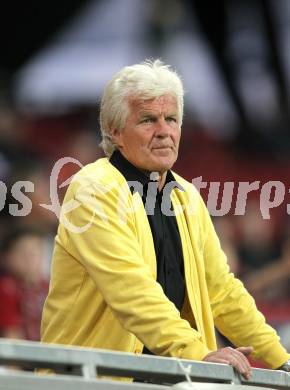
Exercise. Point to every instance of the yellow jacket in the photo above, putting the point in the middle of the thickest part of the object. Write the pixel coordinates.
(103, 291)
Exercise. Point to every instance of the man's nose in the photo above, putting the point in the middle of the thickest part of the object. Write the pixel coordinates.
(162, 128)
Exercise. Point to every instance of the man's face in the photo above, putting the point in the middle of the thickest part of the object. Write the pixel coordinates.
(150, 139)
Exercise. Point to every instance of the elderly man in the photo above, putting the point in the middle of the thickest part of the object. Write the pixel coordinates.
(137, 264)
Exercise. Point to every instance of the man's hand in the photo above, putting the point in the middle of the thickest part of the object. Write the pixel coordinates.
(234, 357)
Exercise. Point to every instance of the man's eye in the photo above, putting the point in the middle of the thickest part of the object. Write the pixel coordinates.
(171, 119)
(147, 120)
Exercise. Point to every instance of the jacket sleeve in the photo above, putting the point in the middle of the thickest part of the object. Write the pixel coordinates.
(110, 252)
(234, 310)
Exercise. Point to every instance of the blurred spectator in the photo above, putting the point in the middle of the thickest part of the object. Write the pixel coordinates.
(23, 286)
(12, 150)
(264, 255)
(226, 232)
(83, 146)
(37, 174)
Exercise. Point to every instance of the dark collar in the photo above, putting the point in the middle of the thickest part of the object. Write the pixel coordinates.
(131, 173)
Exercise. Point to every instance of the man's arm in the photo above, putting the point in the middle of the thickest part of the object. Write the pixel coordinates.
(234, 310)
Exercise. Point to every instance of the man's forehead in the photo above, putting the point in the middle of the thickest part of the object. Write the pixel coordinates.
(164, 102)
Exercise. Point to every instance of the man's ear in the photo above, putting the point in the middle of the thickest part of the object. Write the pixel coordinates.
(116, 135)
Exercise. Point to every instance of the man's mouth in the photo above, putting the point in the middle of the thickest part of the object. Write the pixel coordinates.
(161, 147)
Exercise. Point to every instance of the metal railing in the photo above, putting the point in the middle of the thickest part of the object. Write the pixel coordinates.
(81, 368)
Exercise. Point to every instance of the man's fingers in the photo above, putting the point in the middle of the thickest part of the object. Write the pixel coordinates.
(238, 364)
(234, 357)
(215, 359)
(241, 363)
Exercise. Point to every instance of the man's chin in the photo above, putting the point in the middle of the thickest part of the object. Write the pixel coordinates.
(161, 167)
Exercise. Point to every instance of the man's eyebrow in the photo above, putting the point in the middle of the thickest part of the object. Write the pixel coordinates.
(147, 114)
(150, 113)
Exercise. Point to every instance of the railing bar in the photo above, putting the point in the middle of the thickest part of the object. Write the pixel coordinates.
(90, 362)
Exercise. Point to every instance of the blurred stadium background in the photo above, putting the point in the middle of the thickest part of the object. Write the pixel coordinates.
(234, 59)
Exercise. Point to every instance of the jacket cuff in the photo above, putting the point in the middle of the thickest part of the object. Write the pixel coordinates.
(276, 357)
(194, 351)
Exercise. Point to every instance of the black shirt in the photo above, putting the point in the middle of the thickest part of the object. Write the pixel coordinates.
(167, 242)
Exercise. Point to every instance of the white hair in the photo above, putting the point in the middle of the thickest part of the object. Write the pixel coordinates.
(145, 81)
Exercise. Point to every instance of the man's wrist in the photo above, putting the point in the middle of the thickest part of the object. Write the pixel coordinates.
(285, 366)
